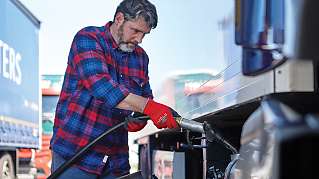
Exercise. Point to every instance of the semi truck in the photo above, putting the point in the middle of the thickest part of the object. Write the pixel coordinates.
(264, 103)
(20, 96)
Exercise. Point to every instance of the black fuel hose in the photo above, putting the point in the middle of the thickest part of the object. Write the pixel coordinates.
(83, 151)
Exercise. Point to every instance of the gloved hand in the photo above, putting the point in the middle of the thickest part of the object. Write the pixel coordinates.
(160, 114)
(134, 126)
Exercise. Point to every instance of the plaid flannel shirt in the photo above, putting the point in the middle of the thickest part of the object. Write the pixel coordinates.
(97, 78)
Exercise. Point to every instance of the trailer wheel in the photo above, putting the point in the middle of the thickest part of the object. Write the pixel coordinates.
(6, 167)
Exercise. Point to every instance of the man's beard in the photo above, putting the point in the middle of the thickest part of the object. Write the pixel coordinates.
(124, 46)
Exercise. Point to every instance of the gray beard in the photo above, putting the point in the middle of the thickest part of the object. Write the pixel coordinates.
(125, 48)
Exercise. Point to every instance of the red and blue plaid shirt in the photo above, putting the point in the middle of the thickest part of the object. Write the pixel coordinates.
(98, 76)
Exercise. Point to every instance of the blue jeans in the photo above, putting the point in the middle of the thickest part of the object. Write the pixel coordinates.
(73, 171)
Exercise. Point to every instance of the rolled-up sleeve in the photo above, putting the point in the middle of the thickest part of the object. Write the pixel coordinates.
(88, 59)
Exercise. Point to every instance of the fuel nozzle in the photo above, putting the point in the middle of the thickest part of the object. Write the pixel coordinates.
(190, 125)
(206, 129)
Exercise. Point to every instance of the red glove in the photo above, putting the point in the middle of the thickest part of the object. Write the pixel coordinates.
(134, 126)
(160, 114)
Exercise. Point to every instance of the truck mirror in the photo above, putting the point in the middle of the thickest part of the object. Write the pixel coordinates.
(259, 29)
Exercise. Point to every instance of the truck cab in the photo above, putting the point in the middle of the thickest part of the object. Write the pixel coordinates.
(51, 86)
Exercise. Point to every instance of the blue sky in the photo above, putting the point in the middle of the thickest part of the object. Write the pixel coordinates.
(186, 38)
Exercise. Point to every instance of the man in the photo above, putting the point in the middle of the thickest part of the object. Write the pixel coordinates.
(105, 80)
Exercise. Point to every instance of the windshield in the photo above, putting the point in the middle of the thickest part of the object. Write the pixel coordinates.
(48, 111)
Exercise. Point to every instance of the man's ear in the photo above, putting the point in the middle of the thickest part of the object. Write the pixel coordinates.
(119, 18)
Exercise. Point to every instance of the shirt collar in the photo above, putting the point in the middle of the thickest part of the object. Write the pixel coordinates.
(109, 36)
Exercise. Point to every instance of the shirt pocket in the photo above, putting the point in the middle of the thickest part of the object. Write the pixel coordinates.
(136, 84)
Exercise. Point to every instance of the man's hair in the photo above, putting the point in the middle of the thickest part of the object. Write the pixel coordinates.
(133, 9)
